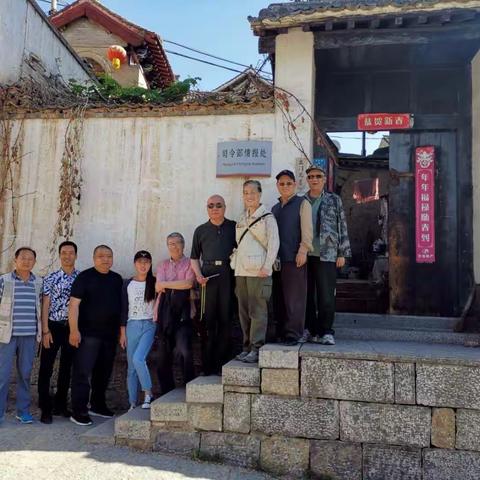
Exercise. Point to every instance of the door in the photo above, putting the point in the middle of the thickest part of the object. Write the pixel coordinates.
(423, 289)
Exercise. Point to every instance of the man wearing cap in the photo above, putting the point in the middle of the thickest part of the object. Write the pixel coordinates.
(213, 243)
(330, 248)
(294, 219)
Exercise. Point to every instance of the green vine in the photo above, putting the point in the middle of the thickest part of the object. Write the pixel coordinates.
(111, 91)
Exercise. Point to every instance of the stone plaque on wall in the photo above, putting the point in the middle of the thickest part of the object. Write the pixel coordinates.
(247, 158)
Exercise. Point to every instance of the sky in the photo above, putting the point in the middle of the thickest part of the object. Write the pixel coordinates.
(218, 27)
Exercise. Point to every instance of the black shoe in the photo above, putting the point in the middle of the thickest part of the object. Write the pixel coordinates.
(61, 412)
(46, 418)
(103, 412)
(290, 342)
(83, 420)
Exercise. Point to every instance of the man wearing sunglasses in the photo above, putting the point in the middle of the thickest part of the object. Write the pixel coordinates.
(330, 248)
(294, 219)
(212, 244)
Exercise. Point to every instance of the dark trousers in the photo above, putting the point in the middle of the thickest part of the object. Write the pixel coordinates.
(289, 300)
(175, 347)
(217, 318)
(322, 279)
(59, 331)
(92, 366)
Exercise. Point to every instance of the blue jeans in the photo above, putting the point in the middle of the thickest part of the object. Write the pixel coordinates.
(24, 349)
(140, 335)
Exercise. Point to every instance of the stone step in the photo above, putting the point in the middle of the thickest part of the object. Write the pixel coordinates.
(205, 390)
(133, 425)
(241, 377)
(410, 322)
(171, 407)
(397, 335)
(102, 434)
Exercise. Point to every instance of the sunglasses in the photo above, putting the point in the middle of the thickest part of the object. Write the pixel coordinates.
(214, 205)
(318, 177)
(285, 184)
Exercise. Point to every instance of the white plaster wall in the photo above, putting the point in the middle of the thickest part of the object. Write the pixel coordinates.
(295, 73)
(476, 163)
(143, 178)
(24, 31)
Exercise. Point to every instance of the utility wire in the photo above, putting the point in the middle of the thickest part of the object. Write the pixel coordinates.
(213, 56)
(208, 63)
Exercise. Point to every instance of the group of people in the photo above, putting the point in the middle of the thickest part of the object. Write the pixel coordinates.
(291, 252)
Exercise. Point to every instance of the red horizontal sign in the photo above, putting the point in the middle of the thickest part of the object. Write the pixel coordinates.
(371, 122)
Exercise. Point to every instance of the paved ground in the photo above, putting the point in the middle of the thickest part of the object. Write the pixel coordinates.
(56, 452)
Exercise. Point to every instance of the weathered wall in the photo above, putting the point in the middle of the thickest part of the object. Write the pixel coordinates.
(24, 31)
(476, 163)
(91, 40)
(142, 179)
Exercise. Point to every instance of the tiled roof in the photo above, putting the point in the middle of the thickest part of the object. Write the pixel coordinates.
(153, 58)
(305, 10)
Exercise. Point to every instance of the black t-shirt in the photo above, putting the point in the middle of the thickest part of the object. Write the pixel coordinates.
(213, 242)
(100, 295)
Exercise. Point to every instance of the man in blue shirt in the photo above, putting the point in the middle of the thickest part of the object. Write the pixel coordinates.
(20, 328)
(56, 296)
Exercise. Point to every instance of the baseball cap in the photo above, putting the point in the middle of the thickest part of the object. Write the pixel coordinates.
(287, 173)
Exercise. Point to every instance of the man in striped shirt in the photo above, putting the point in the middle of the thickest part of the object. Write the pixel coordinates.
(20, 329)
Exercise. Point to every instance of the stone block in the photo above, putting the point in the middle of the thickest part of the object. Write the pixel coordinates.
(382, 462)
(468, 430)
(239, 389)
(134, 425)
(285, 456)
(206, 416)
(280, 381)
(295, 417)
(231, 448)
(136, 444)
(170, 407)
(241, 374)
(443, 428)
(177, 443)
(279, 356)
(338, 460)
(102, 434)
(236, 412)
(438, 386)
(383, 423)
(205, 390)
(341, 379)
(441, 464)
(405, 383)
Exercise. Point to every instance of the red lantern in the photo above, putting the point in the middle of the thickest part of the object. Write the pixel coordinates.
(117, 55)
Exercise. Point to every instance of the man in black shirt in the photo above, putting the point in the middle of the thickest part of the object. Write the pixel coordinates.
(94, 321)
(213, 243)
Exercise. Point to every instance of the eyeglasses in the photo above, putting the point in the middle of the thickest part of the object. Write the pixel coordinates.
(214, 205)
(285, 184)
(318, 177)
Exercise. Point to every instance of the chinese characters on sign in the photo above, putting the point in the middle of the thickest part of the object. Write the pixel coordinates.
(371, 122)
(248, 158)
(425, 204)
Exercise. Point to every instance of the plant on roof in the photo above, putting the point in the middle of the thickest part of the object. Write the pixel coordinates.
(110, 91)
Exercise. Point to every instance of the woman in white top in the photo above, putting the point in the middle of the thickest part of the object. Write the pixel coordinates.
(258, 243)
(138, 327)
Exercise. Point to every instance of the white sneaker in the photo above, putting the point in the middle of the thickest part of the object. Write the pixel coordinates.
(146, 403)
(306, 337)
(327, 339)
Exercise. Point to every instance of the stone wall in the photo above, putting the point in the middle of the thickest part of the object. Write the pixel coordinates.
(329, 414)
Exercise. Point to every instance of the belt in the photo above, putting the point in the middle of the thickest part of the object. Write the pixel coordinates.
(217, 263)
